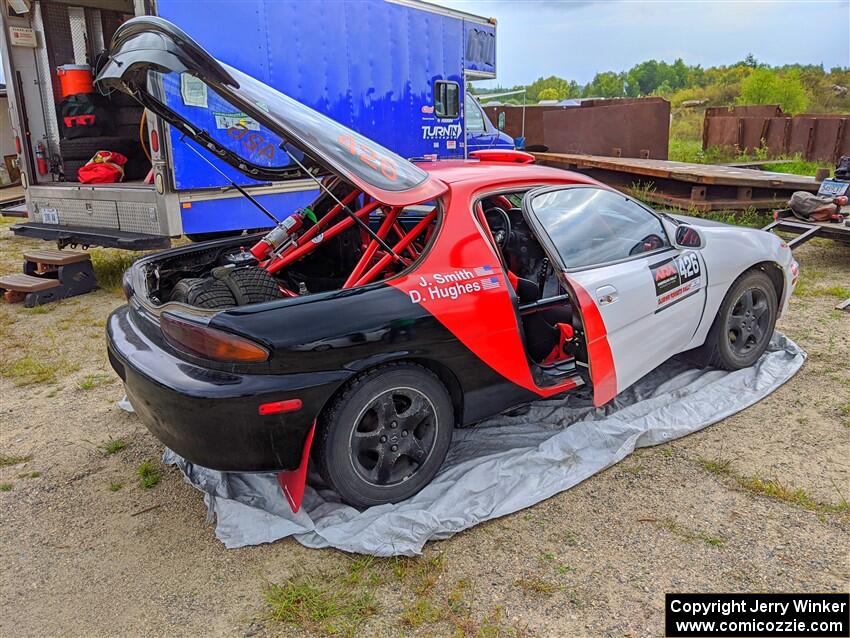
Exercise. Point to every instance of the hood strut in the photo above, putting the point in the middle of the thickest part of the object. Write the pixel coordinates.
(247, 195)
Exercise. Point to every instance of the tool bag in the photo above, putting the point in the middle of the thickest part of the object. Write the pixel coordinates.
(810, 207)
(106, 167)
(81, 115)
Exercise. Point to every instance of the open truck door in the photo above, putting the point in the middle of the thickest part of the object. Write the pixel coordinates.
(640, 296)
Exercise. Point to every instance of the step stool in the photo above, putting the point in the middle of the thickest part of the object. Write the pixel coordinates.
(49, 275)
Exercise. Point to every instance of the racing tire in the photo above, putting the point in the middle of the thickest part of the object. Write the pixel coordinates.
(743, 326)
(70, 168)
(255, 285)
(84, 148)
(385, 436)
(181, 290)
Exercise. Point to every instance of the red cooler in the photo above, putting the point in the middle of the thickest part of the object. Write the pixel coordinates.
(75, 78)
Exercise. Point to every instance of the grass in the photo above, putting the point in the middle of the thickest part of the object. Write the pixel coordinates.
(570, 538)
(91, 381)
(109, 266)
(28, 370)
(537, 585)
(689, 149)
(721, 467)
(14, 459)
(845, 410)
(810, 285)
(5, 487)
(114, 486)
(422, 611)
(798, 497)
(771, 488)
(31, 475)
(114, 445)
(148, 475)
(327, 608)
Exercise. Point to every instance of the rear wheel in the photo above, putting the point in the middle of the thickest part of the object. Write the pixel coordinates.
(384, 438)
(744, 324)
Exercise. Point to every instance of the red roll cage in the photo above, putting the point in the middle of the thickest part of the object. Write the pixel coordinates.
(375, 262)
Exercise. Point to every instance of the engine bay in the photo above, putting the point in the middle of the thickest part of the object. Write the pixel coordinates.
(343, 239)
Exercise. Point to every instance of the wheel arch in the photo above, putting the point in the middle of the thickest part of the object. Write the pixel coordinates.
(774, 271)
(445, 375)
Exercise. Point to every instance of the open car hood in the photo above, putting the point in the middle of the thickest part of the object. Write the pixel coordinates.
(256, 129)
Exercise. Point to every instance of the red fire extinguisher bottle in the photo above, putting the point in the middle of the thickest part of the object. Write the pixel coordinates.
(278, 235)
(41, 158)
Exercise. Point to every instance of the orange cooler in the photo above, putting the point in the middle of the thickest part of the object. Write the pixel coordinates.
(75, 78)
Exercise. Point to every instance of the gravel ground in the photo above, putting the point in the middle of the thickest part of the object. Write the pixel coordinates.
(753, 503)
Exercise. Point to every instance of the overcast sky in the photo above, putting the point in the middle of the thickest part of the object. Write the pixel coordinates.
(577, 38)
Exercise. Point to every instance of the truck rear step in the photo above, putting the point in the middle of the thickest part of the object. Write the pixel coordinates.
(49, 275)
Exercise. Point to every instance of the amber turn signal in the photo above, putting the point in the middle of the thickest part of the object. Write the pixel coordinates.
(210, 343)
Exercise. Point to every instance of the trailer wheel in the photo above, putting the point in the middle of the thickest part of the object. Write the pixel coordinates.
(386, 435)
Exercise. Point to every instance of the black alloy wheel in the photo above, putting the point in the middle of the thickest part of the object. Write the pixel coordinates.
(393, 436)
(385, 436)
(743, 325)
(748, 323)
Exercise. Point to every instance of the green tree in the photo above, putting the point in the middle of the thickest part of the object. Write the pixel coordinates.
(606, 84)
(548, 94)
(766, 86)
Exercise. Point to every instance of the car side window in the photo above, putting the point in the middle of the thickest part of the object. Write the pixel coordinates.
(593, 226)
(472, 113)
(446, 99)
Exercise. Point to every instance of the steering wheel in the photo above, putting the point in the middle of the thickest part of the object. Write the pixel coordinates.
(647, 244)
(502, 228)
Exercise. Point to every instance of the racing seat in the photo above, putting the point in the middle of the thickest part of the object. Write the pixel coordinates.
(545, 330)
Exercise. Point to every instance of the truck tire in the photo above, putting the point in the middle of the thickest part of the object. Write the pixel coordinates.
(84, 148)
(385, 436)
(70, 168)
(128, 115)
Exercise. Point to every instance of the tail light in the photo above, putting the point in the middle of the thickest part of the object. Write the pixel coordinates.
(210, 343)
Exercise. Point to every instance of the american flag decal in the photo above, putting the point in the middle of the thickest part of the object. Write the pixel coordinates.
(483, 271)
(489, 284)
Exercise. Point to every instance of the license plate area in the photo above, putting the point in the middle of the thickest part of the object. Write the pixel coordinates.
(833, 188)
(49, 216)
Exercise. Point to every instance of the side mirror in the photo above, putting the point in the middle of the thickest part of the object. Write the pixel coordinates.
(688, 237)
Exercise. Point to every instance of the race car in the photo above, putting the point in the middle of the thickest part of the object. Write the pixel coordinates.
(409, 298)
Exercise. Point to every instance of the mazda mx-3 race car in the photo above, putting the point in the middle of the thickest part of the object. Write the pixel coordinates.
(409, 298)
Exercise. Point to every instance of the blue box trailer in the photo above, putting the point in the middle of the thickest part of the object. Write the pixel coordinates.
(396, 71)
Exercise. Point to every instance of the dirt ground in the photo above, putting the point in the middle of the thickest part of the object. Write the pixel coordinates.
(753, 503)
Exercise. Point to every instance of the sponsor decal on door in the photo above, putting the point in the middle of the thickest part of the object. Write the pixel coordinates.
(675, 279)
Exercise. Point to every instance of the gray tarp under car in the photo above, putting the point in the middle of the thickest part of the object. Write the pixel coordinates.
(499, 466)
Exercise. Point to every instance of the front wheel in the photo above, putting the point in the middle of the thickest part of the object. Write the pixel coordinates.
(744, 324)
(384, 438)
